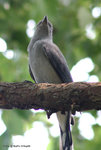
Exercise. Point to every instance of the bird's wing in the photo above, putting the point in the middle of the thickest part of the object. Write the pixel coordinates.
(58, 62)
(31, 74)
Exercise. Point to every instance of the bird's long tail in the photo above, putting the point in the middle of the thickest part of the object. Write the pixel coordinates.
(64, 123)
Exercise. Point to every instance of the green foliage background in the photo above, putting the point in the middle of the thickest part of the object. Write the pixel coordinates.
(69, 18)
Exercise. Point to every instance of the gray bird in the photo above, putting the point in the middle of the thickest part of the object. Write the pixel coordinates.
(47, 64)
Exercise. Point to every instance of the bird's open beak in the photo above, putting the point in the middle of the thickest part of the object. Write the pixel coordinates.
(45, 19)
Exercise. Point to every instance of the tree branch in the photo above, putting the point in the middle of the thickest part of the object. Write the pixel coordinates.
(78, 96)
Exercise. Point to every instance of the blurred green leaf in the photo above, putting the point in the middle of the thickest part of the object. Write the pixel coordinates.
(5, 140)
(15, 124)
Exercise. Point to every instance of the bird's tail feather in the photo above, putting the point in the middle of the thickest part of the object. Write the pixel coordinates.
(64, 123)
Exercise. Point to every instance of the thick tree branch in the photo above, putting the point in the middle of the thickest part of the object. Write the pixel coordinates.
(76, 96)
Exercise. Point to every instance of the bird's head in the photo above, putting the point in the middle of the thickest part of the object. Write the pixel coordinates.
(44, 29)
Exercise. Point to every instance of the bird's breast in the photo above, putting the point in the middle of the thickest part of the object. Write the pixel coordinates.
(41, 67)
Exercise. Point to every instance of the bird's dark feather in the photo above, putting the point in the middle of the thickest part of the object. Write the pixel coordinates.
(57, 61)
(31, 74)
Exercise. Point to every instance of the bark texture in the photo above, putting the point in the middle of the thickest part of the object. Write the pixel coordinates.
(78, 96)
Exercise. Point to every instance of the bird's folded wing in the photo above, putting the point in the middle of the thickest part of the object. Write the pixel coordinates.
(31, 74)
(58, 62)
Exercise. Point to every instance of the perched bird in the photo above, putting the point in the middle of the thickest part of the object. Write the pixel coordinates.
(47, 64)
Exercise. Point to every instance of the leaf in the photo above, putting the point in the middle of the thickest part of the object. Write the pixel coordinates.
(84, 17)
(14, 123)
